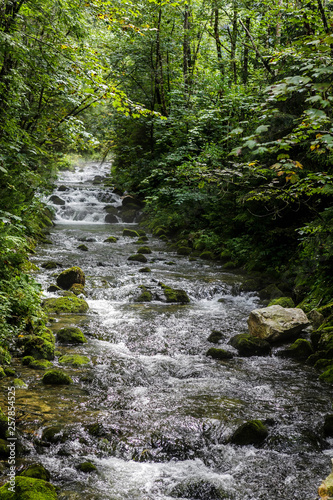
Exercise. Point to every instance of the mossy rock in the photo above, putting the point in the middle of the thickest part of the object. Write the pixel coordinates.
(138, 257)
(129, 215)
(145, 296)
(316, 356)
(207, 255)
(28, 488)
(111, 219)
(144, 270)
(3, 425)
(2, 373)
(199, 489)
(327, 376)
(19, 383)
(300, 350)
(40, 364)
(110, 209)
(27, 360)
(131, 233)
(315, 338)
(65, 305)
(323, 363)
(111, 239)
(142, 233)
(37, 471)
(174, 295)
(283, 302)
(70, 276)
(74, 360)
(215, 353)
(50, 264)
(145, 250)
(252, 432)
(326, 338)
(215, 337)
(247, 345)
(83, 248)
(10, 372)
(316, 318)
(87, 467)
(56, 377)
(78, 289)
(230, 265)
(184, 251)
(142, 239)
(71, 335)
(38, 347)
(54, 434)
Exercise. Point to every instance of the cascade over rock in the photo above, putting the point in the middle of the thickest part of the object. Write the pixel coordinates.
(276, 323)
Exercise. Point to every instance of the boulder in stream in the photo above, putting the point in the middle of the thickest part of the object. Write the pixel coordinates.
(252, 432)
(300, 350)
(247, 345)
(87, 467)
(71, 335)
(78, 289)
(40, 364)
(276, 323)
(70, 276)
(56, 377)
(221, 354)
(38, 347)
(174, 294)
(138, 257)
(131, 233)
(28, 488)
(200, 489)
(37, 471)
(57, 200)
(66, 305)
(74, 360)
(83, 247)
(111, 219)
(145, 250)
(111, 239)
(215, 336)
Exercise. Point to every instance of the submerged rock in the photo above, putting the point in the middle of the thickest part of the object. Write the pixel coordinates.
(145, 295)
(78, 289)
(276, 323)
(54, 434)
(252, 432)
(247, 345)
(215, 337)
(65, 305)
(111, 239)
(28, 488)
(174, 295)
(74, 360)
(82, 247)
(87, 467)
(215, 353)
(71, 335)
(70, 276)
(56, 377)
(138, 257)
(51, 264)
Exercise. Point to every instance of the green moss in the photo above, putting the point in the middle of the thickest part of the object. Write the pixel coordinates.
(65, 305)
(3, 425)
(145, 270)
(38, 347)
(139, 257)
(37, 471)
(71, 335)
(283, 302)
(215, 353)
(54, 434)
(174, 295)
(28, 488)
(74, 360)
(111, 239)
(70, 276)
(131, 233)
(252, 432)
(5, 357)
(247, 345)
(56, 377)
(327, 376)
(146, 250)
(323, 363)
(20, 384)
(159, 231)
(78, 289)
(230, 265)
(10, 372)
(40, 364)
(145, 296)
(50, 264)
(27, 360)
(87, 467)
(300, 350)
(2, 373)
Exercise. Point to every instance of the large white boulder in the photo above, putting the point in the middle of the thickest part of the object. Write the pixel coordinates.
(276, 323)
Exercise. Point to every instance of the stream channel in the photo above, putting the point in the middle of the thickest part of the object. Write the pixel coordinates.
(151, 411)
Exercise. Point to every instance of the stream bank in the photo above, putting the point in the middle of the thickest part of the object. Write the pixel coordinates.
(149, 409)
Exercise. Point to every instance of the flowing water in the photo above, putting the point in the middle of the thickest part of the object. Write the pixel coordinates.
(151, 411)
